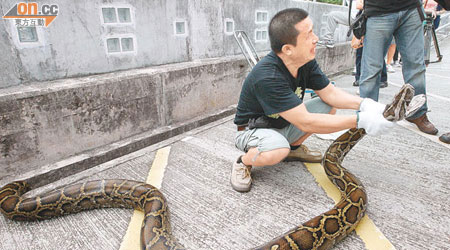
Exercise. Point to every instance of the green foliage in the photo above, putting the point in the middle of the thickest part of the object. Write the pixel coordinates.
(331, 1)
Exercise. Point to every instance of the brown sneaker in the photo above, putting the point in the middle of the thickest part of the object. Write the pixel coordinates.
(303, 154)
(424, 124)
(241, 179)
(445, 138)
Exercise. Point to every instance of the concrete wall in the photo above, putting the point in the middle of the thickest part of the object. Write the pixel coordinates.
(45, 123)
(74, 43)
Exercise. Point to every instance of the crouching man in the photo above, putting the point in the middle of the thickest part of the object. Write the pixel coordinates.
(272, 119)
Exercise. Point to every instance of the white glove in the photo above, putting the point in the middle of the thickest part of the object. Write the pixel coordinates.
(373, 123)
(369, 105)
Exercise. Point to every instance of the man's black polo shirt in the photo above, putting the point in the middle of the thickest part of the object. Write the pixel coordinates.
(270, 89)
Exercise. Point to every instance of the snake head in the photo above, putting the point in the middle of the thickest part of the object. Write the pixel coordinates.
(397, 109)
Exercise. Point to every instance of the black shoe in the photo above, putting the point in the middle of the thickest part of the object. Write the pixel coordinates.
(356, 83)
(383, 84)
(445, 138)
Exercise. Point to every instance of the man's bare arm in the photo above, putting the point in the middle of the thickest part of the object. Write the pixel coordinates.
(338, 98)
(317, 123)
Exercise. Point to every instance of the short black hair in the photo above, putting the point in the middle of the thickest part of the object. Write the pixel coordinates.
(282, 27)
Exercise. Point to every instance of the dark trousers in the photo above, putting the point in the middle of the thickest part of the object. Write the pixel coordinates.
(359, 53)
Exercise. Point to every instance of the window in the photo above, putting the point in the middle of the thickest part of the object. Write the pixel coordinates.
(229, 26)
(120, 44)
(27, 34)
(262, 17)
(109, 15)
(113, 45)
(180, 28)
(124, 15)
(261, 35)
(116, 15)
(118, 36)
(127, 44)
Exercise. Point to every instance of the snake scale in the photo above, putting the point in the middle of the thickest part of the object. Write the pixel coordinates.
(320, 232)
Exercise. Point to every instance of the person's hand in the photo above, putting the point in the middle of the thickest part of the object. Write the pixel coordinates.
(431, 12)
(373, 123)
(359, 4)
(357, 43)
(369, 105)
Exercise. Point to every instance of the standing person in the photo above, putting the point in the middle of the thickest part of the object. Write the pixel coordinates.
(358, 45)
(396, 58)
(390, 57)
(384, 78)
(439, 12)
(400, 19)
(338, 17)
(435, 10)
(272, 119)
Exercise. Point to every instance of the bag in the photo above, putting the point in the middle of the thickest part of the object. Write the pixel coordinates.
(359, 25)
(266, 122)
(259, 122)
(444, 3)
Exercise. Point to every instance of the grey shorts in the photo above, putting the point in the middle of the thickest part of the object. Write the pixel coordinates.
(267, 139)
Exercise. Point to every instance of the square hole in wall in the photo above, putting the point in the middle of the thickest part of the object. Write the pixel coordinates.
(127, 44)
(229, 26)
(109, 15)
(262, 17)
(124, 15)
(27, 34)
(113, 45)
(180, 28)
(261, 35)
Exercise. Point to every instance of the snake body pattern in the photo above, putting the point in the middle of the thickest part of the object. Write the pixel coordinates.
(320, 232)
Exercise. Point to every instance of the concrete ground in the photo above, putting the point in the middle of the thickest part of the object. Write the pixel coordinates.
(405, 172)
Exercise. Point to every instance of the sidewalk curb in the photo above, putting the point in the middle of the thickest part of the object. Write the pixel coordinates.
(53, 172)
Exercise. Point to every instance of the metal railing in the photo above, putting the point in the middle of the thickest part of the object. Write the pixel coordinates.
(246, 47)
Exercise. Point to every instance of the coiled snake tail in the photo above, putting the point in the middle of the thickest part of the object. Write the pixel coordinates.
(155, 231)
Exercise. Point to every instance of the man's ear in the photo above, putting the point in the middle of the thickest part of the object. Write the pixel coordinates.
(287, 49)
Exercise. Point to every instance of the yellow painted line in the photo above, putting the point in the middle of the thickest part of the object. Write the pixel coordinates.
(372, 237)
(156, 173)
(318, 172)
(131, 240)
